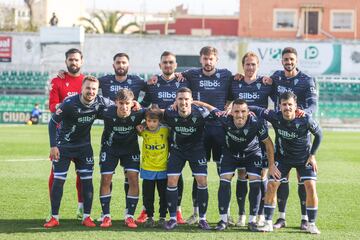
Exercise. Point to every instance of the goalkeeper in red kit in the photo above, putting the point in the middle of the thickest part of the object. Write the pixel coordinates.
(60, 89)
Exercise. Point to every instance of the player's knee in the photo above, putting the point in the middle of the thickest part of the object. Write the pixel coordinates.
(85, 174)
(226, 177)
(172, 181)
(201, 181)
(133, 178)
(60, 175)
(310, 188)
(106, 180)
(271, 189)
(264, 172)
(241, 174)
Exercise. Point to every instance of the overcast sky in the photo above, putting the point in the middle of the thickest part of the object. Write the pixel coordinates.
(213, 7)
(207, 7)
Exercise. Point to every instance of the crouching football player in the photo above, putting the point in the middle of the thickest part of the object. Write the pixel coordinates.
(293, 150)
(243, 134)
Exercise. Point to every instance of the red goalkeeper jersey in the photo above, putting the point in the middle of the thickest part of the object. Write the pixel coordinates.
(63, 88)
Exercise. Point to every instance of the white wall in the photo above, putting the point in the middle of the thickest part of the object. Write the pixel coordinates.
(145, 51)
(99, 50)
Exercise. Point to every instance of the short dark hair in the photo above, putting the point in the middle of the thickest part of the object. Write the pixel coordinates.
(124, 94)
(287, 96)
(289, 50)
(208, 50)
(183, 90)
(72, 51)
(249, 54)
(121, 55)
(154, 112)
(167, 53)
(239, 101)
(90, 79)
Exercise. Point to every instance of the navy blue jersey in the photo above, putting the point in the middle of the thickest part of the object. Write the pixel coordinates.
(301, 85)
(110, 86)
(76, 121)
(187, 133)
(120, 135)
(244, 141)
(292, 138)
(212, 89)
(163, 93)
(255, 93)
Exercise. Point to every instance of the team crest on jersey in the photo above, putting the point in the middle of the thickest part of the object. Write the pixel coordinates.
(240, 85)
(67, 84)
(132, 118)
(194, 119)
(217, 75)
(258, 85)
(246, 131)
(297, 125)
(158, 85)
(129, 81)
(79, 110)
(296, 81)
(177, 84)
(176, 119)
(114, 119)
(96, 107)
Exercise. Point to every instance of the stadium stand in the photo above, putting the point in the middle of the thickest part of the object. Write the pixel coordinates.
(22, 103)
(339, 97)
(28, 81)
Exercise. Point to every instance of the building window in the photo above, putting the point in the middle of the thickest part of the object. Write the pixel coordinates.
(342, 20)
(171, 31)
(285, 19)
(201, 31)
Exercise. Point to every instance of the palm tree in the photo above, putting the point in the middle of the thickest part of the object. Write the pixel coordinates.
(106, 22)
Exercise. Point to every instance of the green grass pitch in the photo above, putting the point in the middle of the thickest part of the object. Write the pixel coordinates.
(24, 201)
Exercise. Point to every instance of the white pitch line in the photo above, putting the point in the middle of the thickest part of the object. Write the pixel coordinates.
(24, 160)
(29, 159)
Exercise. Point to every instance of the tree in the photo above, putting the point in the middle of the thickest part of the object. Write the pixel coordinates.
(106, 22)
(29, 4)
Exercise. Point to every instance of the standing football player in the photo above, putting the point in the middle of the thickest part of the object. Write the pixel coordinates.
(163, 94)
(291, 79)
(61, 88)
(256, 93)
(76, 116)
